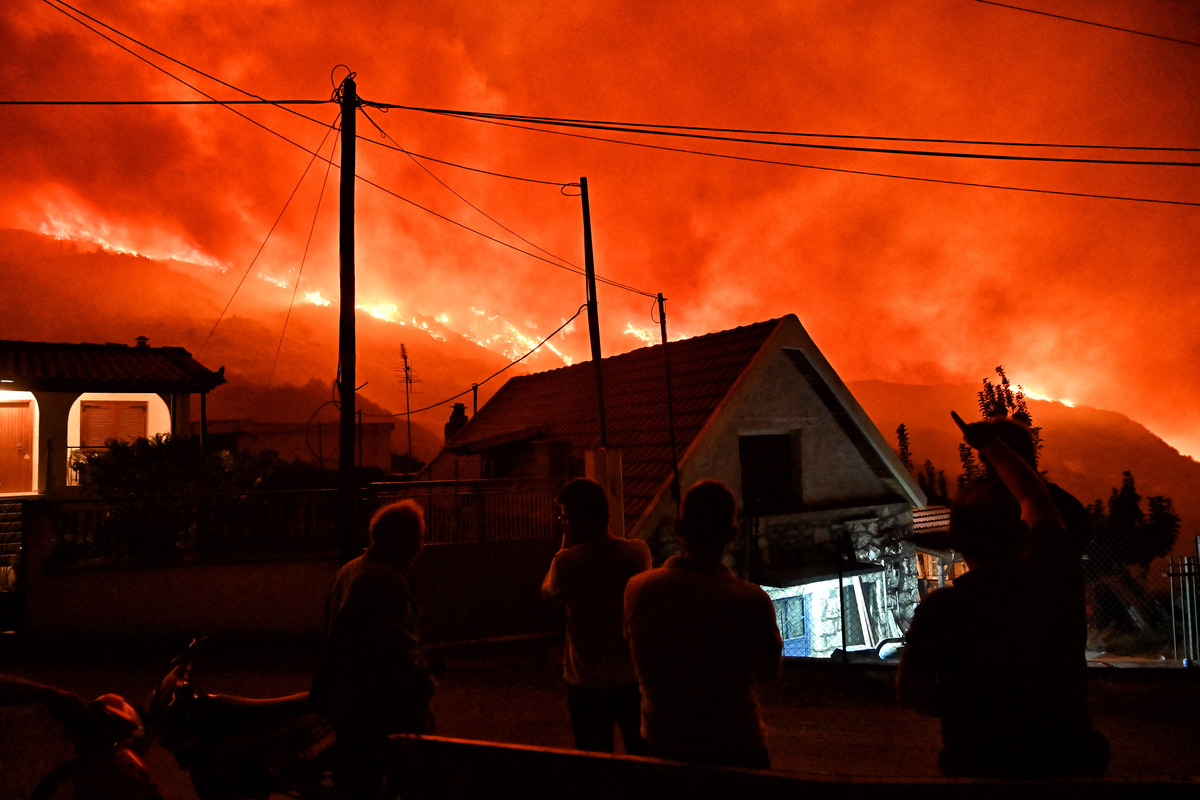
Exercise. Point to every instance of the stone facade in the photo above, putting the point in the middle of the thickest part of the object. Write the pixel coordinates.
(809, 546)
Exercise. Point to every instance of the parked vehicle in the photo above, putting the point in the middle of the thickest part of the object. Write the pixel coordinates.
(239, 748)
(108, 738)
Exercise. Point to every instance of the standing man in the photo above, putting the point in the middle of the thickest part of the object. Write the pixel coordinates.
(588, 576)
(373, 679)
(701, 638)
(999, 656)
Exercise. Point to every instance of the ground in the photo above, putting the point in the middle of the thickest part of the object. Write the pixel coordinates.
(826, 721)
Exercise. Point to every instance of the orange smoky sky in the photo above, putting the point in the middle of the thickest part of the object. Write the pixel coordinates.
(914, 280)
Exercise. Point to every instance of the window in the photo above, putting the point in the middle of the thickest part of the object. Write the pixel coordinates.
(789, 616)
(860, 616)
(101, 421)
(767, 473)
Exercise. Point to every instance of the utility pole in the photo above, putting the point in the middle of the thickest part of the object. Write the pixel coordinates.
(347, 529)
(593, 312)
(408, 382)
(662, 324)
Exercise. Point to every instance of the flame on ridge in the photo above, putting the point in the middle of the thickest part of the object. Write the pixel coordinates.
(69, 224)
(1032, 395)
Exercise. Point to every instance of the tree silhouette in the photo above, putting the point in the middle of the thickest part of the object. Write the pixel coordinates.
(1002, 400)
(931, 480)
(1125, 535)
(902, 450)
(933, 483)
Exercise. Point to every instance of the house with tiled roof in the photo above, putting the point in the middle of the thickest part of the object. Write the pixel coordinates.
(825, 504)
(59, 398)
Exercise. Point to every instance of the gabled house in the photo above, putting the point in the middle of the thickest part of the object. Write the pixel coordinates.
(57, 398)
(826, 506)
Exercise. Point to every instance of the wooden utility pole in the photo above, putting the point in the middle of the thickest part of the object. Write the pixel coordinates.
(347, 529)
(408, 382)
(662, 324)
(593, 312)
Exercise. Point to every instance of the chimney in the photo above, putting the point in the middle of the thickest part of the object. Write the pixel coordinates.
(458, 418)
(143, 341)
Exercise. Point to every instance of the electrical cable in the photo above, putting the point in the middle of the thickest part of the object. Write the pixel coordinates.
(315, 154)
(843, 170)
(1089, 22)
(759, 132)
(281, 136)
(172, 76)
(681, 132)
(303, 258)
(55, 5)
(448, 188)
(167, 102)
(500, 242)
(493, 375)
(267, 238)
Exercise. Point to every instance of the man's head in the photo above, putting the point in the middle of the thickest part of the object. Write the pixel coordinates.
(706, 519)
(396, 532)
(1017, 436)
(986, 526)
(584, 509)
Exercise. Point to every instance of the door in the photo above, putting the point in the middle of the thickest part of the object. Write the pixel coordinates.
(16, 447)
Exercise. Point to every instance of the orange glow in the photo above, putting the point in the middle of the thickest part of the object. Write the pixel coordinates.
(898, 280)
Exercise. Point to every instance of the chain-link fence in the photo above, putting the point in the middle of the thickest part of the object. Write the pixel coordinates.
(1136, 606)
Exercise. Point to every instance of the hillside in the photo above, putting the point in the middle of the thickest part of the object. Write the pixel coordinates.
(1085, 450)
(280, 362)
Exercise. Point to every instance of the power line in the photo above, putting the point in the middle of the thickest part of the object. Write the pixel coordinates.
(713, 136)
(168, 74)
(1089, 22)
(632, 127)
(313, 153)
(502, 243)
(266, 239)
(304, 257)
(843, 170)
(55, 5)
(166, 102)
(494, 374)
(448, 188)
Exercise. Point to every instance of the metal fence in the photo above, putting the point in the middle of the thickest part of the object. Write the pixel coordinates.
(1184, 577)
(194, 528)
(1131, 611)
(222, 527)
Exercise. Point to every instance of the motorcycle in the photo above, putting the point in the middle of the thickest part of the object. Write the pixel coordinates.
(240, 748)
(108, 738)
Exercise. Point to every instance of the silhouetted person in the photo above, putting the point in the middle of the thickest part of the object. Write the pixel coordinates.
(588, 576)
(999, 656)
(701, 638)
(373, 679)
(1075, 518)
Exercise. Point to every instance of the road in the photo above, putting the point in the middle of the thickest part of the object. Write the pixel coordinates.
(826, 721)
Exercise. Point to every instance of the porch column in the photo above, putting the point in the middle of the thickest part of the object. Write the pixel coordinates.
(54, 408)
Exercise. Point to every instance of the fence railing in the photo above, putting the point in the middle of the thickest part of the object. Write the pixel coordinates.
(194, 528)
(1184, 576)
(480, 510)
(221, 527)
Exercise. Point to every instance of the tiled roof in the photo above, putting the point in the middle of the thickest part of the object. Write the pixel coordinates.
(49, 366)
(561, 405)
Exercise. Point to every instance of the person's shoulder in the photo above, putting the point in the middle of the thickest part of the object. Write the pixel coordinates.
(945, 602)
(749, 590)
(649, 576)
